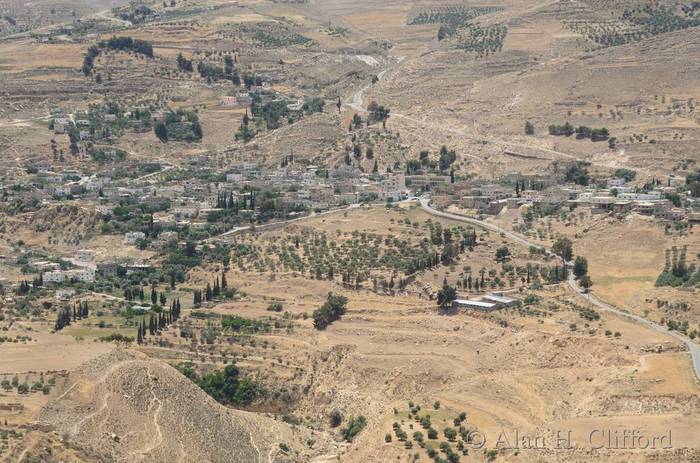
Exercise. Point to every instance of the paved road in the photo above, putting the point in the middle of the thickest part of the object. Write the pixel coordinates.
(359, 96)
(693, 348)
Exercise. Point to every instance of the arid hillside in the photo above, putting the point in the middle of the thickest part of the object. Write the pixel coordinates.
(123, 406)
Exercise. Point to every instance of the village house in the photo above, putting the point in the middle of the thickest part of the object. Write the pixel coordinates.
(474, 202)
(60, 190)
(346, 198)
(475, 305)
(441, 201)
(614, 182)
(44, 265)
(84, 274)
(487, 303)
(185, 209)
(139, 267)
(427, 180)
(47, 178)
(192, 184)
(650, 196)
(394, 183)
(555, 195)
(676, 181)
(298, 106)
(321, 196)
(107, 269)
(644, 208)
(674, 214)
(61, 125)
(494, 192)
(495, 207)
(530, 195)
(133, 237)
(234, 177)
(229, 101)
(622, 206)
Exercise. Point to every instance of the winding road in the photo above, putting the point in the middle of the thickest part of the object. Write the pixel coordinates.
(692, 347)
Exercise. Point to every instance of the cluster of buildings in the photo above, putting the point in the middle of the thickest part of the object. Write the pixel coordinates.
(616, 196)
(84, 274)
(305, 188)
(189, 202)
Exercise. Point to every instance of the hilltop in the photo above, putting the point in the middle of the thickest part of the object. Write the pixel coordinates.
(123, 406)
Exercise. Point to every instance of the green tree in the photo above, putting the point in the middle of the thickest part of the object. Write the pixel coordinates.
(529, 128)
(502, 253)
(331, 310)
(446, 295)
(563, 247)
(585, 282)
(580, 266)
(161, 131)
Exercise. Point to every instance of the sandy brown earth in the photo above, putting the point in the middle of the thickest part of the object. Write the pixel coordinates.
(124, 407)
(540, 371)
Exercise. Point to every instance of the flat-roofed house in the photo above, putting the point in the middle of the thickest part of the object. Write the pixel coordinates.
(476, 305)
(502, 301)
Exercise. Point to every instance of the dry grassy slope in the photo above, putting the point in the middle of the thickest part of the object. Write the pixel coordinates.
(64, 223)
(159, 415)
(445, 95)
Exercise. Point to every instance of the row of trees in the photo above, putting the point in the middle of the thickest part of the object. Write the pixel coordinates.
(444, 163)
(157, 322)
(181, 126)
(228, 201)
(563, 247)
(210, 292)
(64, 318)
(115, 43)
(582, 132)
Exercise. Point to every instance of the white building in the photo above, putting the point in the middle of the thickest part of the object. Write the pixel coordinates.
(477, 305)
(614, 182)
(133, 237)
(85, 274)
(650, 196)
(55, 276)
